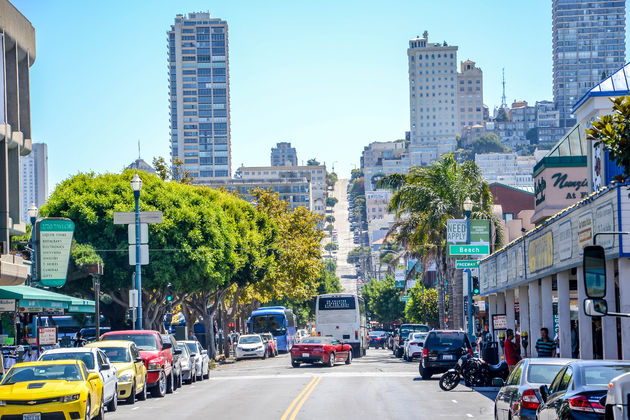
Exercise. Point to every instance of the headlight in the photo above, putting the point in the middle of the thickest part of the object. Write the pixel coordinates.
(260, 347)
(2, 403)
(69, 398)
(153, 366)
(125, 377)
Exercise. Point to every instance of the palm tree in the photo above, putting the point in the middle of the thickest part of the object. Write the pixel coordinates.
(423, 201)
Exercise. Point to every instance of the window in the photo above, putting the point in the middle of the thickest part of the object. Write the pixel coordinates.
(515, 377)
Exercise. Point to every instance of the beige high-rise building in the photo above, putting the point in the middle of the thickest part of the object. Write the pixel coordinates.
(470, 95)
(434, 116)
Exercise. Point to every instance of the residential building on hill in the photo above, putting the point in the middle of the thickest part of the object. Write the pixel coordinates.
(283, 155)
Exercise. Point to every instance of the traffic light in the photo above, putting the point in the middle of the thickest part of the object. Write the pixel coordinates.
(475, 282)
(169, 293)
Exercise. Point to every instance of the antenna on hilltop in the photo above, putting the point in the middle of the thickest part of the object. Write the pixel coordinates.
(138, 148)
(503, 100)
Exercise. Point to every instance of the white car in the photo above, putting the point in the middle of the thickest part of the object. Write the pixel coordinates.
(250, 346)
(202, 361)
(300, 334)
(413, 345)
(96, 361)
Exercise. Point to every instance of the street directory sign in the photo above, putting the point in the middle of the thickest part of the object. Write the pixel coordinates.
(469, 249)
(53, 238)
(399, 278)
(405, 298)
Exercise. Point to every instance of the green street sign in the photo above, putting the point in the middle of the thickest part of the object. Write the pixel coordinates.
(479, 231)
(463, 264)
(53, 237)
(400, 284)
(469, 249)
(405, 298)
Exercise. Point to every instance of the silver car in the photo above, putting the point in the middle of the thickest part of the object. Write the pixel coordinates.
(202, 361)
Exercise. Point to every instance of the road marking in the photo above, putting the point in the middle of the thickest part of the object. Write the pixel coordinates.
(300, 395)
(469, 415)
(135, 408)
(455, 401)
(301, 403)
(339, 374)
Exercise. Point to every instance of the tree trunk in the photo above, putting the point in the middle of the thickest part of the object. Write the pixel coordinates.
(440, 287)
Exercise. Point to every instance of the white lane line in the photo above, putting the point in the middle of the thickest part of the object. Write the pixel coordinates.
(468, 415)
(135, 408)
(454, 401)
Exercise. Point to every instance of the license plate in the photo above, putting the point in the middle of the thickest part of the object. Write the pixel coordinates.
(32, 416)
(306, 355)
(448, 357)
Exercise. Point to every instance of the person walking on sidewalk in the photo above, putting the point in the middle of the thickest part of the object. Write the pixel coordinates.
(512, 349)
(545, 346)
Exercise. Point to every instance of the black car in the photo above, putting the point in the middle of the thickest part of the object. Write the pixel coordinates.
(442, 349)
(518, 398)
(401, 335)
(377, 339)
(89, 333)
(177, 364)
(577, 390)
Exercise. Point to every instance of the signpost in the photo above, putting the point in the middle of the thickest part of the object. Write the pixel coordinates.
(463, 264)
(54, 240)
(405, 298)
(469, 249)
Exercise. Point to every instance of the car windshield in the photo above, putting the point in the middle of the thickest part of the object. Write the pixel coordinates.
(314, 340)
(143, 341)
(542, 373)
(603, 374)
(249, 340)
(419, 336)
(377, 333)
(85, 356)
(192, 347)
(117, 354)
(406, 329)
(69, 372)
(445, 340)
(183, 348)
(273, 324)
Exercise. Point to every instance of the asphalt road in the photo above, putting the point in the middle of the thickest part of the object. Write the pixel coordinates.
(347, 273)
(377, 386)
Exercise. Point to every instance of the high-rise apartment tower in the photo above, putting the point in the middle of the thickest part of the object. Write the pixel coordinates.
(200, 95)
(33, 179)
(283, 155)
(470, 94)
(589, 39)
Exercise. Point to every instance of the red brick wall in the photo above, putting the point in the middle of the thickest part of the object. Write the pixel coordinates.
(512, 200)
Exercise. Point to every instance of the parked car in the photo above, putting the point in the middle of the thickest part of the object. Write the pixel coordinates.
(157, 356)
(95, 361)
(325, 350)
(272, 347)
(578, 389)
(518, 398)
(618, 398)
(401, 335)
(441, 351)
(413, 345)
(249, 346)
(83, 390)
(187, 361)
(177, 366)
(132, 374)
(377, 339)
(202, 361)
(89, 333)
(300, 335)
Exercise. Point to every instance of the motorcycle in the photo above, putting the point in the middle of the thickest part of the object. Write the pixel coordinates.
(474, 371)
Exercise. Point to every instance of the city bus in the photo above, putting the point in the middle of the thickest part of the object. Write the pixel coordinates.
(342, 316)
(277, 320)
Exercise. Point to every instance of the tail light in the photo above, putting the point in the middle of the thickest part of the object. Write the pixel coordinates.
(356, 335)
(318, 349)
(414, 344)
(470, 351)
(425, 352)
(529, 400)
(582, 403)
(319, 333)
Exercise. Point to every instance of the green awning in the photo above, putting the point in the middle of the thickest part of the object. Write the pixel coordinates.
(32, 297)
(79, 305)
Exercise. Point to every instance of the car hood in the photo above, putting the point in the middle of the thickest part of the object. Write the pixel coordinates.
(250, 346)
(49, 389)
(121, 367)
(149, 354)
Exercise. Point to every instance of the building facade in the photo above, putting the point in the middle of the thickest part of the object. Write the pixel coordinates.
(507, 168)
(384, 158)
(433, 97)
(34, 178)
(470, 95)
(589, 39)
(283, 155)
(200, 95)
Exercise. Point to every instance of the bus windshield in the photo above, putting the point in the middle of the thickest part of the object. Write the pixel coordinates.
(273, 324)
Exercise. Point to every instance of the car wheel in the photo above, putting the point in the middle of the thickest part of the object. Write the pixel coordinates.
(131, 399)
(113, 404)
(88, 410)
(180, 382)
(207, 375)
(264, 356)
(198, 376)
(170, 384)
(424, 373)
(159, 390)
(295, 364)
(349, 358)
(143, 395)
(331, 360)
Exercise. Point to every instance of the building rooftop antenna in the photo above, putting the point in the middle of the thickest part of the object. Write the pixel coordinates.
(138, 148)
(503, 100)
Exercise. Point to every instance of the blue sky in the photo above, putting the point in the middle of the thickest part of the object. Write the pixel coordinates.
(328, 76)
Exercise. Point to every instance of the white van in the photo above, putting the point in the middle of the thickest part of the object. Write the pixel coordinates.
(342, 316)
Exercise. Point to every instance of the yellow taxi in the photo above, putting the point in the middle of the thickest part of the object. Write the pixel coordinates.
(132, 373)
(61, 388)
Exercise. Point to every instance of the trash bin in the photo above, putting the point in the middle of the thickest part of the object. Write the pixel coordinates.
(490, 352)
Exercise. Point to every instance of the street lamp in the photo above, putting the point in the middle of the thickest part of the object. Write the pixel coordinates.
(32, 212)
(136, 186)
(468, 205)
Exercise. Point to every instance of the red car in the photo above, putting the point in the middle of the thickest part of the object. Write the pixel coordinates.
(325, 350)
(156, 354)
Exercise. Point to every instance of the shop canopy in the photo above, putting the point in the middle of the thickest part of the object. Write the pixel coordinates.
(31, 297)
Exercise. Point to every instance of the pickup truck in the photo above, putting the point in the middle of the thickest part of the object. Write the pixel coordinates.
(617, 398)
(157, 355)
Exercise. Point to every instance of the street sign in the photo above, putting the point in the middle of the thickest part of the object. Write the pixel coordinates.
(7, 305)
(399, 278)
(480, 231)
(456, 231)
(463, 264)
(144, 233)
(469, 249)
(499, 322)
(129, 217)
(54, 239)
(405, 298)
(133, 298)
(144, 254)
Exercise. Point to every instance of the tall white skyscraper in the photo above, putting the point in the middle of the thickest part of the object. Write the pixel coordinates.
(433, 100)
(33, 179)
(200, 95)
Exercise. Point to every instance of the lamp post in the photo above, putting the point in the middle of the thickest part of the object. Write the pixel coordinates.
(468, 205)
(136, 186)
(32, 212)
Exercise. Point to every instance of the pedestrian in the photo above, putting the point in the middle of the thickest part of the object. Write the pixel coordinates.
(575, 340)
(512, 349)
(79, 341)
(545, 346)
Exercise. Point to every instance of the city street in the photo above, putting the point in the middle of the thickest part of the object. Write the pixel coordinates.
(375, 386)
(346, 272)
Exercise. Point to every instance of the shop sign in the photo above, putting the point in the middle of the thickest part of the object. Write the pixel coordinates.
(47, 336)
(604, 222)
(585, 230)
(54, 240)
(570, 187)
(456, 231)
(564, 239)
(540, 252)
(499, 322)
(52, 312)
(7, 305)
(32, 309)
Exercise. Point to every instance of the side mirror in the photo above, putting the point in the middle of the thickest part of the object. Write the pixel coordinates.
(594, 268)
(544, 392)
(167, 346)
(204, 352)
(138, 359)
(93, 376)
(595, 307)
(177, 351)
(193, 354)
(105, 366)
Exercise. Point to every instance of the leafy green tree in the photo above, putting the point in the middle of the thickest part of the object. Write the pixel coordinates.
(423, 306)
(382, 300)
(331, 201)
(532, 135)
(331, 246)
(502, 115)
(356, 254)
(330, 219)
(331, 179)
(312, 162)
(490, 143)
(612, 132)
